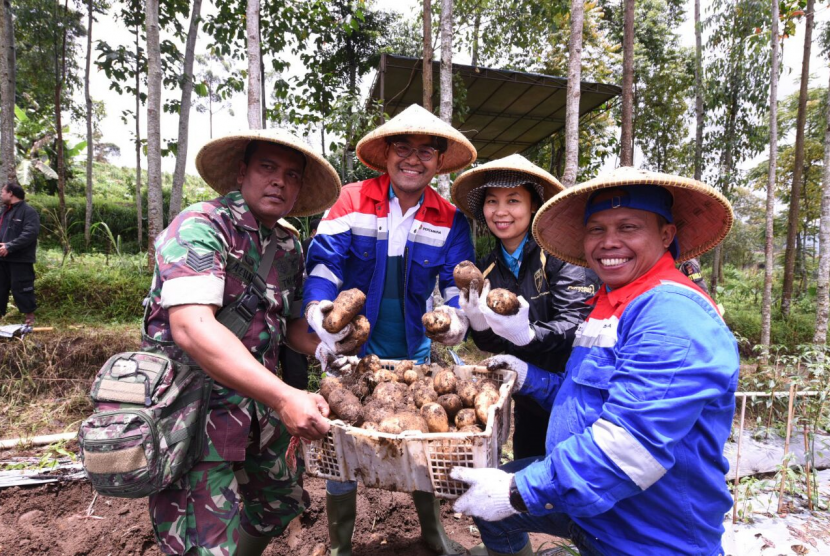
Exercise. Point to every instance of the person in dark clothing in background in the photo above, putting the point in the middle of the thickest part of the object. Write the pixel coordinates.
(19, 228)
(312, 231)
(504, 195)
(294, 365)
(691, 268)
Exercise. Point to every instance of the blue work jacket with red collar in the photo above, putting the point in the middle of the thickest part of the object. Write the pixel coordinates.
(350, 249)
(634, 451)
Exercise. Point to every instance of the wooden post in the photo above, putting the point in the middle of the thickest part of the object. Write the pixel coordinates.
(807, 466)
(738, 461)
(383, 88)
(786, 450)
(427, 63)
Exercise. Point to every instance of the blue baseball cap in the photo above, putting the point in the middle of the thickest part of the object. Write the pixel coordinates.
(651, 198)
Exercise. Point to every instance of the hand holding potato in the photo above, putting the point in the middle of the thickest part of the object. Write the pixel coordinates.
(315, 315)
(514, 328)
(446, 325)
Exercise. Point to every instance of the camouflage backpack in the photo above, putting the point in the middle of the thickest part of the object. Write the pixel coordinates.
(148, 425)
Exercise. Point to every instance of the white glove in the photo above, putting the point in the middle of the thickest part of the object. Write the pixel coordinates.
(334, 364)
(514, 328)
(314, 314)
(488, 496)
(471, 310)
(458, 326)
(511, 363)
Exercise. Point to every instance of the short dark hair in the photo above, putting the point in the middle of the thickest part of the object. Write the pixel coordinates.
(315, 223)
(253, 145)
(16, 190)
(438, 143)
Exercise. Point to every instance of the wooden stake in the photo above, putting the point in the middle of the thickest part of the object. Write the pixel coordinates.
(807, 466)
(784, 465)
(738, 462)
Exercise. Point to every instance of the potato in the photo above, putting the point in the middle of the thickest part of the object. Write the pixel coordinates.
(358, 387)
(411, 376)
(466, 275)
(436, 322)
(345, 406)
(347, 305)
(503, 302)
(358, 336)
(487, 384)
(435, 417)
(376, 411)
(467, 391)
(471, 428)
(484, 400)
(451, 403)
(465, 417)
(424, 395)
(369, 363)
(328, 384)
(390, 393)
(401, 368)
(370, 426)
(444, 382)
(403, 421)
(385, 375)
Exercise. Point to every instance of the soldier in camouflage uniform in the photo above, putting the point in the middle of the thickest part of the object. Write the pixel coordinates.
(247, 488)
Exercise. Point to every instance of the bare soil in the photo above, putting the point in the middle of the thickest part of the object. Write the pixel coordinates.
(52, 520)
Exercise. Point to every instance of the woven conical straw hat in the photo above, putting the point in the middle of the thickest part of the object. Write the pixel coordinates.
(415, 120)
(702, 215)
(474, 178)
(218, 164)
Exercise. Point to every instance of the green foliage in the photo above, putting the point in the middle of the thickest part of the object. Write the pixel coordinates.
(90, 288)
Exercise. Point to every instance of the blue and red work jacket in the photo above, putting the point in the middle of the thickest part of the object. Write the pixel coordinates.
(350, 249)
(639, 420)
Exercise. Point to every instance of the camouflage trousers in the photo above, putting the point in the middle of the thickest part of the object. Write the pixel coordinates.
(202, 514)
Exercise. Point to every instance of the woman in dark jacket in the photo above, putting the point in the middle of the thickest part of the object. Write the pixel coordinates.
(504, 195)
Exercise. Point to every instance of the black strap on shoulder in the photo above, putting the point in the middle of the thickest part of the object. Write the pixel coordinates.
(237, 316)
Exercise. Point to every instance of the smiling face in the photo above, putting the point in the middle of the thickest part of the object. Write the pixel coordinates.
(411, 175)
(508, 212)
(622, 244)
(271, 181)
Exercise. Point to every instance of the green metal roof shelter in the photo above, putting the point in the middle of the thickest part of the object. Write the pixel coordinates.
(510, 111)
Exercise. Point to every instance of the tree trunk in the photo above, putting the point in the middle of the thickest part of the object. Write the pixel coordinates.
(138, 204)
(89, 145)
(446, 81)
(769, 260)
(427, 73)
(822, 289)
(7, 87)
(263, 96)
(60, 76)
(254, 86)
(573, 93)
(155, 205)
(184, 113)
(627, 124)
(798, 167)
(476, 32)
(698, 94)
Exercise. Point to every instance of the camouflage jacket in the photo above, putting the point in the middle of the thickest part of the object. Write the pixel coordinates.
(201, 258)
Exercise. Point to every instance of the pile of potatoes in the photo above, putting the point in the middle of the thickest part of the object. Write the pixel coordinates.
(427, 398)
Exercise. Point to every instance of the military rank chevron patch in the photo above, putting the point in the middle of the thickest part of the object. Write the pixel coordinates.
(199, 263)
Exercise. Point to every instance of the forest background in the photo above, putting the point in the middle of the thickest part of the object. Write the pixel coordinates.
(108, 94)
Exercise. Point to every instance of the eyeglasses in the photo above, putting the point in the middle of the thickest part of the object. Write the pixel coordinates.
(405, 150)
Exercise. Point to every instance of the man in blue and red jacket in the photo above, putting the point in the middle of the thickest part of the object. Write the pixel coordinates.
(634, 454)
(391, 237)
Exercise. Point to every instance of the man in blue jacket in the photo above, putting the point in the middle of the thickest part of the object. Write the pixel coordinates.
(634, 454)
(391, 237)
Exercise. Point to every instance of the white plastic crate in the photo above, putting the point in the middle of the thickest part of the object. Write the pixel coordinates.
(414, 460)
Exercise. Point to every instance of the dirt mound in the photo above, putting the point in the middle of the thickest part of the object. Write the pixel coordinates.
(52, 520)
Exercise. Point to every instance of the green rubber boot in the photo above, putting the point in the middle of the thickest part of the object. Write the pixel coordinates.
(526, 551)
(250, 545)
(432, 530)
(340, 511)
